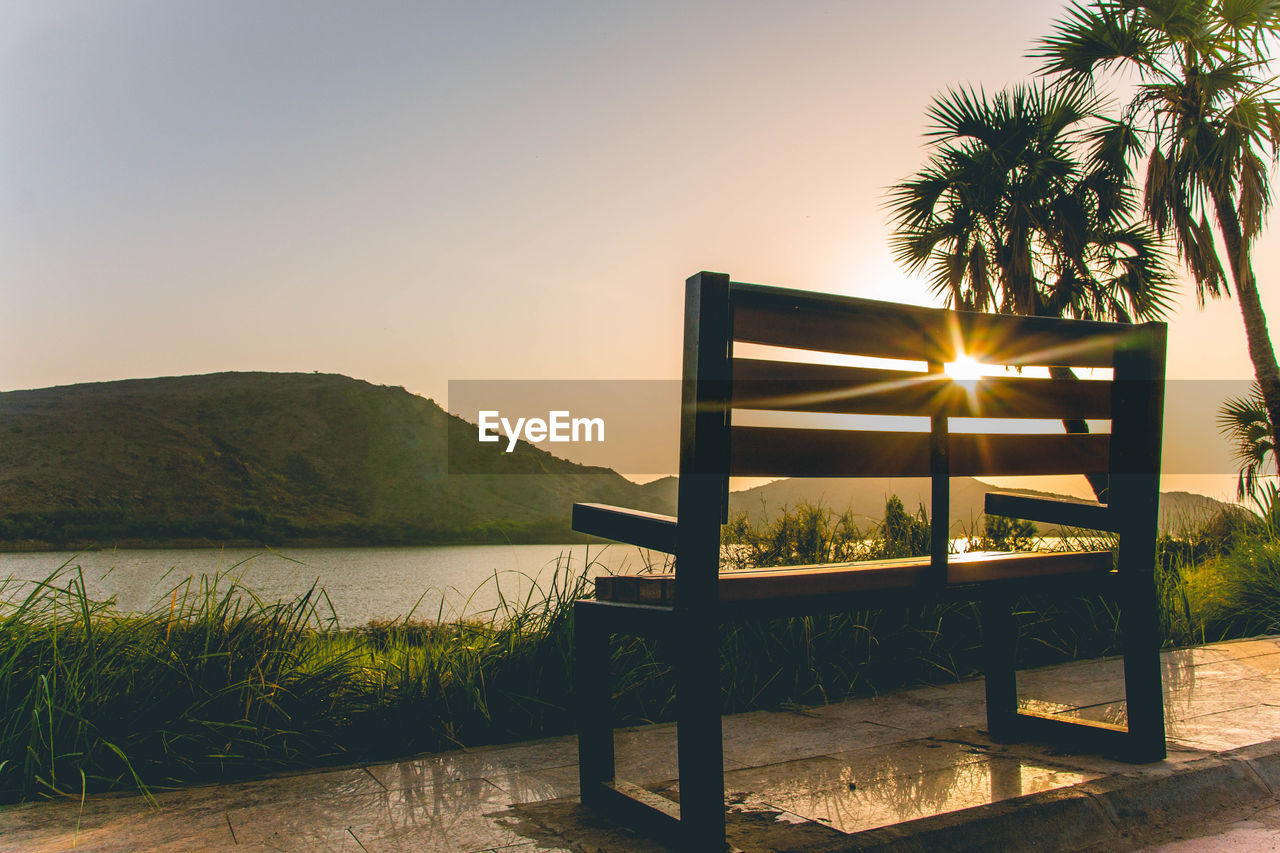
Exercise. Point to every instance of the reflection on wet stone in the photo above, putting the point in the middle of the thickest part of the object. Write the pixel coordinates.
(862, 790)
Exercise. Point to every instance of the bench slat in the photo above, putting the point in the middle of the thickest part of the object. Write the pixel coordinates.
(871, 576)
(806, 387)
(787, 452)
(829, 323)
(1068, 513)
(644, 529)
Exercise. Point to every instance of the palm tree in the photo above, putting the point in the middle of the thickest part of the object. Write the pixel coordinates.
(1024, 208)
(1244, 421)
(1203, 96)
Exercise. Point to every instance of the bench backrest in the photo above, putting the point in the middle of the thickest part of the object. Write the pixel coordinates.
(723, 393)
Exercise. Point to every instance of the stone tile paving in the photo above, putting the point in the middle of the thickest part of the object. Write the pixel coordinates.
(807, 775)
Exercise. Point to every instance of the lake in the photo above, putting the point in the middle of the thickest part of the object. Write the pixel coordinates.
(362, 583)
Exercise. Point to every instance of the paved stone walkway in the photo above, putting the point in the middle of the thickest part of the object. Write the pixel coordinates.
(907, 770)
(1257, 833)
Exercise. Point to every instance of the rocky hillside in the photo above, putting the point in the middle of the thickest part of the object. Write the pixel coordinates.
(272, 458)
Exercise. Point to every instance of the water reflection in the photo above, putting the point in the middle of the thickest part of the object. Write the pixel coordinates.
(1198, 682)
(362, 583)
(901, 782)
(1213, 695)
(427, 808)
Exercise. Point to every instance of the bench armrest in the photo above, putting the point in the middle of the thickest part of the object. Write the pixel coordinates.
(1090, 515)
(645, 529)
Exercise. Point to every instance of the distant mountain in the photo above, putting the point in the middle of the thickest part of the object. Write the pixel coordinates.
(865, 499)
(274, 458)
(290, 458)
(1180, 511)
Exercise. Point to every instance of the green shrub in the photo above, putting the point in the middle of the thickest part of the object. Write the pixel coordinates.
(1006, 534)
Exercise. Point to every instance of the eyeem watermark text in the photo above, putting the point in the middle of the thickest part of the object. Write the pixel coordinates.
(560, 426)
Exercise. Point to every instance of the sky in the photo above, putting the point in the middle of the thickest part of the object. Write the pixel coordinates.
(412, 193)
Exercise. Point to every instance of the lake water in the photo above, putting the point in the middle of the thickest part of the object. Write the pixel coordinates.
(362, 583)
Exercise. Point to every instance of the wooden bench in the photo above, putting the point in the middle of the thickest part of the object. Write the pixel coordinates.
(721, 390)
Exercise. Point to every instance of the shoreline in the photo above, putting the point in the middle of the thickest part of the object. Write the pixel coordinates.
(35, 547)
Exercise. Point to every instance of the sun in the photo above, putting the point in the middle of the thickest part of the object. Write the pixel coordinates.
(964, 369)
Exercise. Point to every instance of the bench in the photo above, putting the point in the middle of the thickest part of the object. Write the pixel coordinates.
(905, 349)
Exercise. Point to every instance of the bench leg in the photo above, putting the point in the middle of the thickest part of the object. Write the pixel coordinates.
(593, 685)
(700, 739)
(999, 639)
(1143, 686)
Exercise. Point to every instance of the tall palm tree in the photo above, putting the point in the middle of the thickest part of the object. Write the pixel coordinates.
(1204, 97)
(1024, 208)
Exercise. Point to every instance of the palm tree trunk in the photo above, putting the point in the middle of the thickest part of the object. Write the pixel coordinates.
(1261, 353)
(1098, 481)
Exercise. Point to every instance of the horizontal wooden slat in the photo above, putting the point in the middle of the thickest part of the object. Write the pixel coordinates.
(870, 576)
(645, 529)
(806, 387)
(1068, 513)
(1012, 455)
(791, 318)
(637, 589)
(616, 617)
(783, 452)
(879, 329)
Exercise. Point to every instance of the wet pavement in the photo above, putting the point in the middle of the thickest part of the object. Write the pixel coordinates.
(910, 770)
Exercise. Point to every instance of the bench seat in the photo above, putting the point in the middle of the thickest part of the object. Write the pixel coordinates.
(838, 578)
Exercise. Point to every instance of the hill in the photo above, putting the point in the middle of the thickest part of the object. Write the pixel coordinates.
(272, 458)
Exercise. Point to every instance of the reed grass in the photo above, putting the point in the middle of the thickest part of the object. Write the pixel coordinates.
(214, 679)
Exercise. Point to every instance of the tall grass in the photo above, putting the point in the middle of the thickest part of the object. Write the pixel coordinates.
(214, 679)
(216, 683)
(1234, 589)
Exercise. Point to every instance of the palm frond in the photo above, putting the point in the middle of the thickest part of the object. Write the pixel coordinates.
(1159, 198)
(1255, 195)
(1196, 247)
(1271, 114)
(1089, 38)
(1243, 420)
(960, 113)
(1242, 16)
(1114, 144)
(1142, 279)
